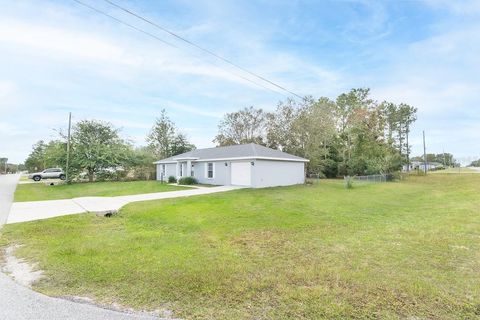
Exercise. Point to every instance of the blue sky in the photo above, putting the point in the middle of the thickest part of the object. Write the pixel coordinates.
(57, 56)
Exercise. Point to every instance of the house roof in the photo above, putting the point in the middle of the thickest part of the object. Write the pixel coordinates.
(241, 151)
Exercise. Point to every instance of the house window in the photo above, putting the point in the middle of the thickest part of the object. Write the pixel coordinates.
(163, 169)
(181, 170)
(210, 170)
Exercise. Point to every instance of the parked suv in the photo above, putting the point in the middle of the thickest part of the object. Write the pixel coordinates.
(51, 173)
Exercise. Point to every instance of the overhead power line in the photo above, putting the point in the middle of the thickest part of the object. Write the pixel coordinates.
(171, 45)
(202, 48)
(124, 23)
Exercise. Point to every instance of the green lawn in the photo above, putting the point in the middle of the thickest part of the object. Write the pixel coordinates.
(455, 170)
(40, 191)
(408, 250)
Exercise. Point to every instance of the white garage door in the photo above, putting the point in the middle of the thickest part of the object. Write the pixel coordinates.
(241, 173)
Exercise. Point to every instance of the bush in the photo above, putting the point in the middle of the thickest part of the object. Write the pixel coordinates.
(348, 182)
(395, 176)
(111, 175)
(144, 173)
(419, 172)
(187, 181)
(105, 175)
(172, 179)
(310, 182)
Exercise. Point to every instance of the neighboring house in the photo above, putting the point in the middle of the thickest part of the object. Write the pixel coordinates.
(249, 165)
(420, 165)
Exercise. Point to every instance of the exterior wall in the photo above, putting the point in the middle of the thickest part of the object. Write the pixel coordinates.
(170, 170)
(420, 165)
(429, 167)
(264, 173)
(268, 173)
(221, 173)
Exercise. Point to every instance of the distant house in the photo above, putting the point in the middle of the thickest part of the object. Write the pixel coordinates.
(420, 165)
(248, 165)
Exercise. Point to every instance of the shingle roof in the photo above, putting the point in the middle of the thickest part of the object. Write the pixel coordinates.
(250, 151)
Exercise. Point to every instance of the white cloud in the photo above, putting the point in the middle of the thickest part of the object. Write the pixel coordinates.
(190, 109)
(135, 54)
(9, 130)
(462, 7)
(6, 88)
(67, 58)
(9, 96)
(368, 29)
(61, 43)
(439, 76)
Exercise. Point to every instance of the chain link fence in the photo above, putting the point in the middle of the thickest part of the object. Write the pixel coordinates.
(349, 180)
(375, 178)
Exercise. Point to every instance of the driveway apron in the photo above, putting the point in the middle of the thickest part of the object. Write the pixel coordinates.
(37, 210)
(8, 183)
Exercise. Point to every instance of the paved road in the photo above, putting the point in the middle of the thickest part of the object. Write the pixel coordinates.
(36, 210)
(20, 303)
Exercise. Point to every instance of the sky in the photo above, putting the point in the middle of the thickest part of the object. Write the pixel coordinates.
(58, 57)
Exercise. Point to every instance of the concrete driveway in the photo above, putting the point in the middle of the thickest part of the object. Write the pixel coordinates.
(37, 210)
(21, 303)
(8, 183)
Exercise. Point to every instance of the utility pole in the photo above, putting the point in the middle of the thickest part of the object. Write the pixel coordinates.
(68, 146)
(424, 154)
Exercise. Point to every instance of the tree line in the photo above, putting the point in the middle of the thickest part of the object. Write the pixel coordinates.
(98, 151)
(351, 135)
(475, 163)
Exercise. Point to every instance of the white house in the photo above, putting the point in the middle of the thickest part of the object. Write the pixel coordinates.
(420, 165)
(248, 165)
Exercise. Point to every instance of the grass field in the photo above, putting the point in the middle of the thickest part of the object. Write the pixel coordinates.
(40, 191)
(407, 250)
(455, 170)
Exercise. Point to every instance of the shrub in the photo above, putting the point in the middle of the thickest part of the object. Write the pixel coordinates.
(420, 172)
(172, 179)
(187, 180)
(105, 175)
(395, 176)
(310, 182)
(348, 182)
(144, 173)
